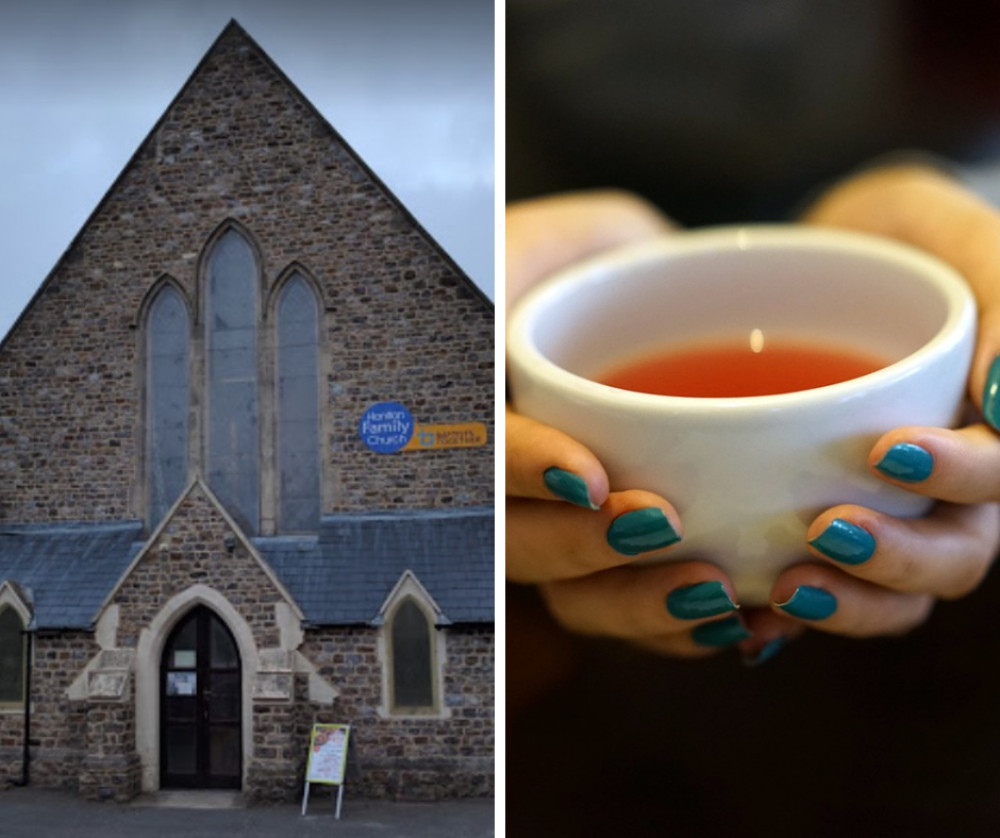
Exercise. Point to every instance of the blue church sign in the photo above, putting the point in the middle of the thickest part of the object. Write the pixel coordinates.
(386, 427)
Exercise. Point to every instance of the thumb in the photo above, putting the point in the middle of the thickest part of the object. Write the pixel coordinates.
(546, 234)
(929, 210)
(984, 380)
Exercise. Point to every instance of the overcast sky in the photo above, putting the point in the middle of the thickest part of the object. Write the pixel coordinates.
(407, 83)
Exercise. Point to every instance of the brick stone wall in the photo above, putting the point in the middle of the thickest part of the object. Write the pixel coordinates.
(11, 746)
(109, 765)
(411, 757)
(400, 322)
(281, 741)
(90, 745)
(192, 550)
(58, 725)
(240, 146)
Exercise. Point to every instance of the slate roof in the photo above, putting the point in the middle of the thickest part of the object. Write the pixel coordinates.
(340, 577)
(68, 568)
(344, 575)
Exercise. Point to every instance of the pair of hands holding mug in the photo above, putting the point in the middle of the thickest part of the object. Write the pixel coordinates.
(565, 529)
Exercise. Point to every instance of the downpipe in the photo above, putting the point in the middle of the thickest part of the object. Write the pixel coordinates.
(29, 636)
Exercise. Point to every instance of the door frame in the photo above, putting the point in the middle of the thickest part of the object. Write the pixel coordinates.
(203, 618)
(149, 653)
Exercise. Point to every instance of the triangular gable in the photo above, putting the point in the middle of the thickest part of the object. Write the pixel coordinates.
(234, 30)
(16, 597)
(198, 485)
(409, 585)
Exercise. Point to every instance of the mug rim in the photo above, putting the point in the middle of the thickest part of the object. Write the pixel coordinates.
(522, 351)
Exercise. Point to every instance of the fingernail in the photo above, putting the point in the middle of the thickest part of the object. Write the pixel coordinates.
(808, 603)
(568, 486)
(845, 542)
(640, 531)
(991, 394)
(906, 461)
(769, 650)
(706, 599)
(720, 633)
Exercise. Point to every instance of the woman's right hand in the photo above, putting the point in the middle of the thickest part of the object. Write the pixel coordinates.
(565, 532)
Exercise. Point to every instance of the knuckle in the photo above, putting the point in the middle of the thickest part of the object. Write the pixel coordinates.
(904, 574)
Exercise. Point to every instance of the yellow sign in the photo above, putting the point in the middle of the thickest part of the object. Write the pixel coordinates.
(327, 761)
(327, 754)
(460, 435)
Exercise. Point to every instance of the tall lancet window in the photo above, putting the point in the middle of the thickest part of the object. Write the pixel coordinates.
(233, 421)
(12, 658)
(298, 408)
(412, 689)
(168, 334)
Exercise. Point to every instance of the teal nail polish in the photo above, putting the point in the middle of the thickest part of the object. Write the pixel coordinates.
(808, 603)
(568, 486)
(906, 461)
(991, 394)
(845, 542)
(640, 531)
(720, 633)
(771, 648)
(706, 599)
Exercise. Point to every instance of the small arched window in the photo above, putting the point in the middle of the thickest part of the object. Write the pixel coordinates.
(12, 657)
(168, 334)
(233, 416)
(298, 408)
(412, 655)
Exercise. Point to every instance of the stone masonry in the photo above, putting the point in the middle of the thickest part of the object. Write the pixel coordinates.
(240, 147)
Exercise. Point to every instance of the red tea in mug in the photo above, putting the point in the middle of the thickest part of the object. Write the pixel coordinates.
(754, 367)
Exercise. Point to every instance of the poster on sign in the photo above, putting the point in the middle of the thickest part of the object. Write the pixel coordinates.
(327, 759)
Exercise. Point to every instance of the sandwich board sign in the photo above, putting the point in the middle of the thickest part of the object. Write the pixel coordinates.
(327, 760)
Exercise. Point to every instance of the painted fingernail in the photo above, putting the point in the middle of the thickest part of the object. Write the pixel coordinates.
(568, 486)
(720, 633)
(906, 461)
(845, 542)
(641, 531)
(768, 651)
(808, 603)
(706, 599)
(991, 394)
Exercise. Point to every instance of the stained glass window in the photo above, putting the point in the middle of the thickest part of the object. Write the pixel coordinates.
(298, 408)
(11, 657)
(168, 385)
(233, 421)
(412, 677)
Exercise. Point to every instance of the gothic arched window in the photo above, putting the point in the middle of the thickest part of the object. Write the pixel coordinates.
(231, 316)
(412, 656)
(298, 408)
(12, 657)
(168, 334)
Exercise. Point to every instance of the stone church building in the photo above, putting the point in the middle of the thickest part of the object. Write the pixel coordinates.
(246, 472)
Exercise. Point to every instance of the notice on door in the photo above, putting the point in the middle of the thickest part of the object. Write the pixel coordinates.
(327, 754)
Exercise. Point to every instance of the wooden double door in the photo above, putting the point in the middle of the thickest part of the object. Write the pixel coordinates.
(201, 713)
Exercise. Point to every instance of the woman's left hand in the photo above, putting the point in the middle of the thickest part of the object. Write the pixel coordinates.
(875, 574)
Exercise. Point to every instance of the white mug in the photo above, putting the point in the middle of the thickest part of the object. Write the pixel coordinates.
(747, 475)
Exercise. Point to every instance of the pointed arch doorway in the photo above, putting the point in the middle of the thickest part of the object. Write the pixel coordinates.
(201, 705)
